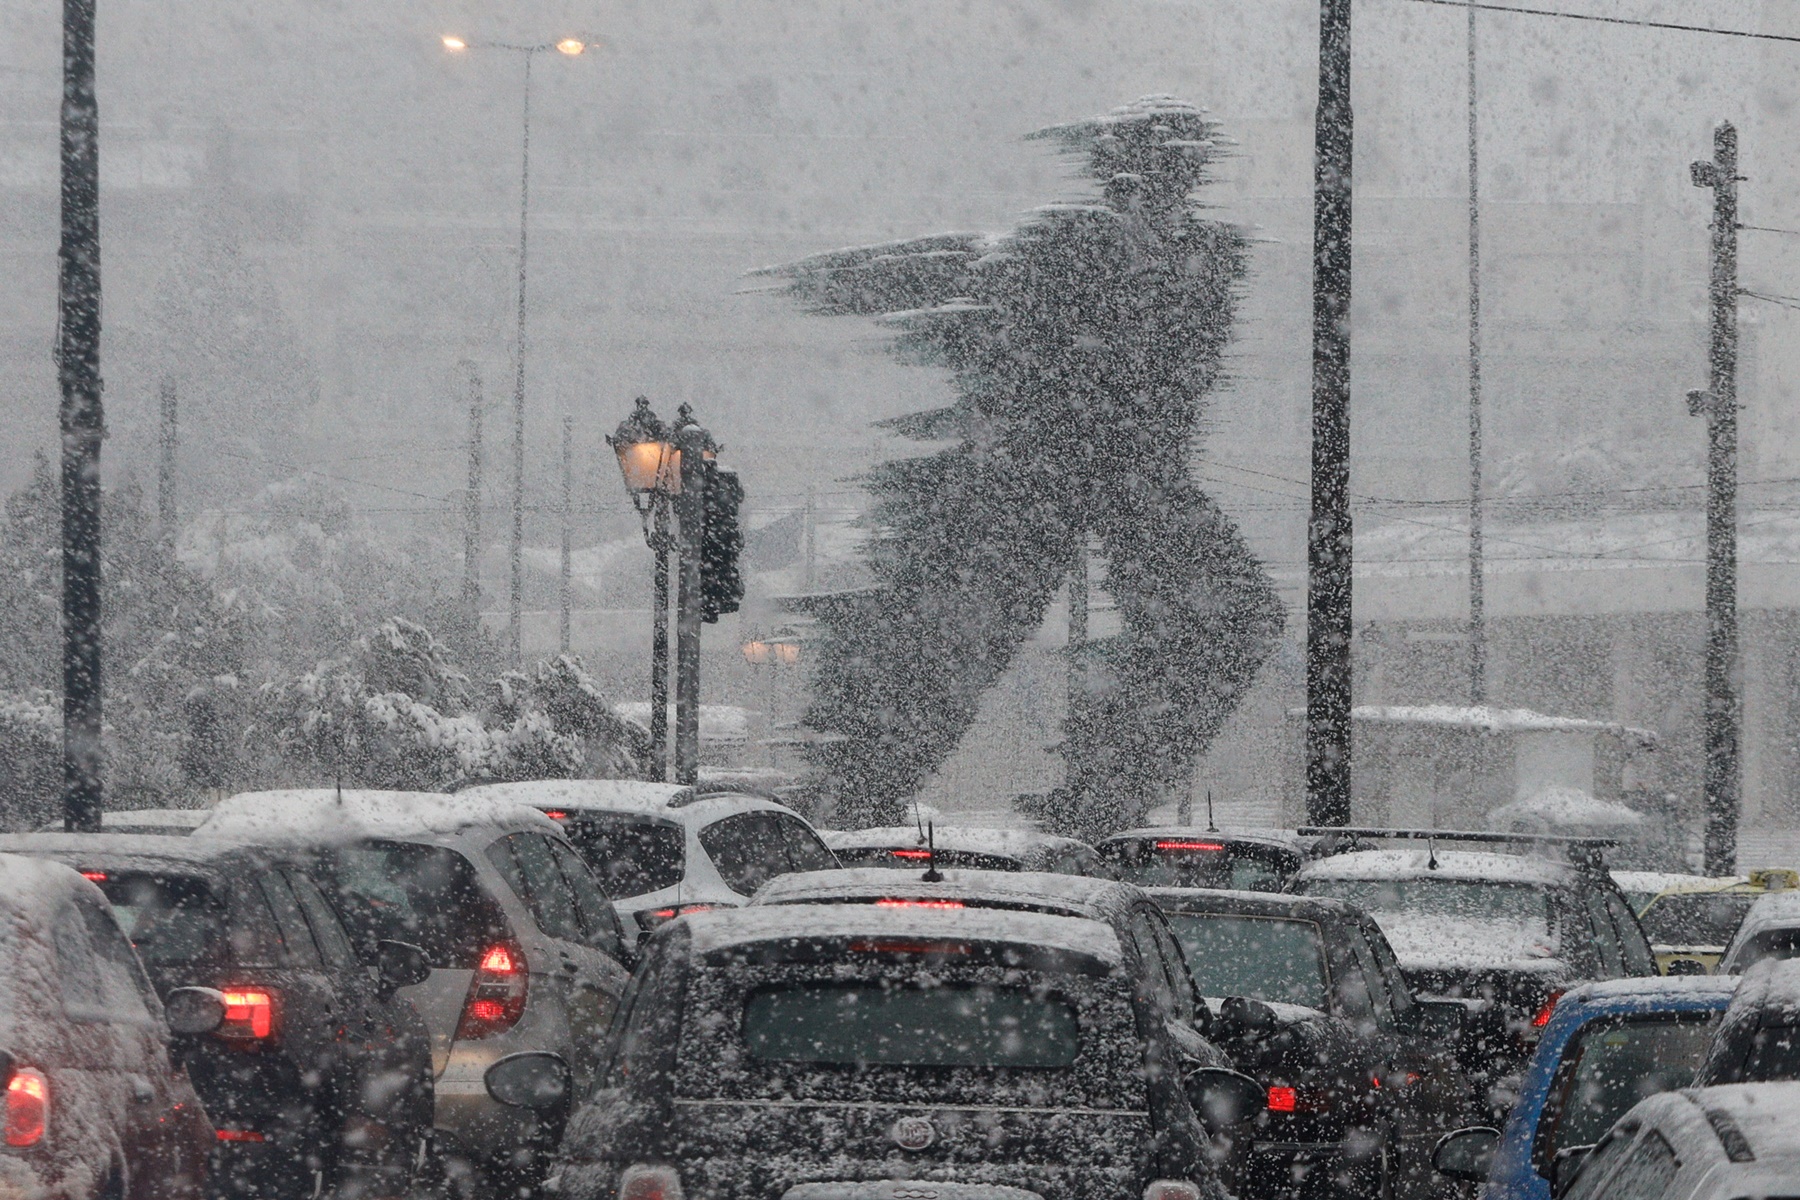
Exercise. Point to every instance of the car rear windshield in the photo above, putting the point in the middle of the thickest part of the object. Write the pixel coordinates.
(1611, 1064)
(954, 1025)
(1463, 899)
(1696, 918)
(1265, 958)
(1191, 862)
(908, 858)
(172, 920)
(630, 854)
(427, 895)
(1774, 1055)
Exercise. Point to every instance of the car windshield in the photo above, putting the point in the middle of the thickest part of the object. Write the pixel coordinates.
(1611, 1064)
(1264, 958)
(1461, 899)
(952, 1025)
(427, 895)
(1695, 918)
(630, 854)
(1774, 1055)
(172, 920)
(1192, 862)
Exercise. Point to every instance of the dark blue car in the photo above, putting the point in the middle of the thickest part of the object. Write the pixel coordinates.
(1607, 1046)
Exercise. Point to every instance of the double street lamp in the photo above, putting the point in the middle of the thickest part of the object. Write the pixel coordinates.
(570, 47)
(663, 470)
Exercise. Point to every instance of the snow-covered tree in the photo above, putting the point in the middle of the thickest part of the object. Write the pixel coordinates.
(1083, 344)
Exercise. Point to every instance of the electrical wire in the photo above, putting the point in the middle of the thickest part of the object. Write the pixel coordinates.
(1594, 17)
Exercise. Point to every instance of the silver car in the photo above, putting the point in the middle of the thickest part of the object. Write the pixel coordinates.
(662, 849)
(524, 947)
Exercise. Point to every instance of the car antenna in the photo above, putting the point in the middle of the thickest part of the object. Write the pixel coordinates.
(1211, 825)
(932, 874)
(917, 819)
(1431, 863)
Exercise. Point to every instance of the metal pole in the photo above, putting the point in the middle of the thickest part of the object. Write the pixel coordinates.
(1328, 615)
(1078, 621)
(809, 524)
(82, 420)
(568, 470)
(515, 613)
(1477, 584)
(659, 642)
(1723, 714)
(690, 508)
(168, 443)
(471, 587)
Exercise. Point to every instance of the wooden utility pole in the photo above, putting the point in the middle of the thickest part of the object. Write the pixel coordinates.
(568, 516)
(1328, 542)
(82, 421)
(1718, 404)
(471, 586)
(1477, 555)
(168, 443)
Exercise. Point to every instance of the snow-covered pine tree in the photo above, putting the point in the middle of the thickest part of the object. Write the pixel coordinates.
(1083, 344)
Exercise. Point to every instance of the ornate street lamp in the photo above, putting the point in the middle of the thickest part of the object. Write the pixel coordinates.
(651, 467)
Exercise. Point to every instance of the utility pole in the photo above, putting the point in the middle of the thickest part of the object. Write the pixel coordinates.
(659, 640)
(82, 421)
(471, 587)
(693, 442)
(1477, 584)
(808, 535)
(515, 614)
(1720, 721)
(168, 442)
(1328, 541)
(1078, 622)
(568, 471)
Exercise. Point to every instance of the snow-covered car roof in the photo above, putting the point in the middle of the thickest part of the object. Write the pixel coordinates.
(145, 820)
(630, 795)
(1767, 1114)
(1773, 986)
(117, 849)
(1260, 904)
(1772, 910)
(35, 897)
(967, 839)
(726, 928)
(1416, 863)
(1650, 991)
(1656, 882)
(328, 815)
(1287, 839)
(1072, 894)
(1436, 943)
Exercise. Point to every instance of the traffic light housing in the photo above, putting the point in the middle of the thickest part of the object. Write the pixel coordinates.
(721, 543)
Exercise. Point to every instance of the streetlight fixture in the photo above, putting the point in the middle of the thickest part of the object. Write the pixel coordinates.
(651, 467)
(570, 47)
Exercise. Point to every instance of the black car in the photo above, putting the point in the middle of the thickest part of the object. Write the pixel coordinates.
(1512, 930)
(1758, 1039)
(1151, 951)
(1184, 856)
(1362, 1077)
(855, 1052)
(319, 1077)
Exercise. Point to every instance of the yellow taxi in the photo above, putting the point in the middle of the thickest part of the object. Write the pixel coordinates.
(1690, 918)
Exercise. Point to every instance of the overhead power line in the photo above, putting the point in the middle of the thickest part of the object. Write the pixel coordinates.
(1597, 19)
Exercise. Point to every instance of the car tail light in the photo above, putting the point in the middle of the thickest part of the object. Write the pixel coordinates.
(643, 1182)
(1546, 1012)
(1171, 1189)
(556, 814)
(905, 946)
(27, 1107)
(650, 918)
(249, 1014)
(898, 902)
(94, 876)
(1298, 1099)
(1184, 844)
(238, 1135)
(918, 855)
(496, 998)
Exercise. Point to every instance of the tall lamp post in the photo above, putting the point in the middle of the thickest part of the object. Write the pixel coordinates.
(651, 466)
(693, 445)
(516, 598)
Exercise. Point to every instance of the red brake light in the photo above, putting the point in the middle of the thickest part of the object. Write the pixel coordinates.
(248, 1014)
(920, 855)
(27, 1107)
(1545, 1013)
(1299, 1100)
(896, 902)
(556, 814)
(1184, 844)
(94, 876)
(1283, 1099)
(238, 1135)
(497, 993)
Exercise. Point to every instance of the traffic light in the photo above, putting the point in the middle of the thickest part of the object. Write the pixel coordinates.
(721, 541)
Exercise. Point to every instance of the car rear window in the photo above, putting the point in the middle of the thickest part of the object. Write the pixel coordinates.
(630, 855)
(427, 895)
(1774, 1055)
(909, 858)
(1695, 918)
(1612, 1063)
(958, 1025)
(1462, 899)
(1270, 959)
(1191, 862)
(172, 920)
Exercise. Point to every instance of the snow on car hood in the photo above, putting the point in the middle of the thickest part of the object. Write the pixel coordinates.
(1438, 942)
(326, 814)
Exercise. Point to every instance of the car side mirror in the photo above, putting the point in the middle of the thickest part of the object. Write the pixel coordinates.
(1439, 1020)
(1684, 966)
(1224, 1098)
(1466, 1154)
(194, 1011)
(400, 964)
(533, 1079)
(1243, 1017)
(1566, 1166)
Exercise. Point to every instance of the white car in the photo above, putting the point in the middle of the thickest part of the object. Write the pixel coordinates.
(661, 849)
(1717, 1143)
(1771, 929)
